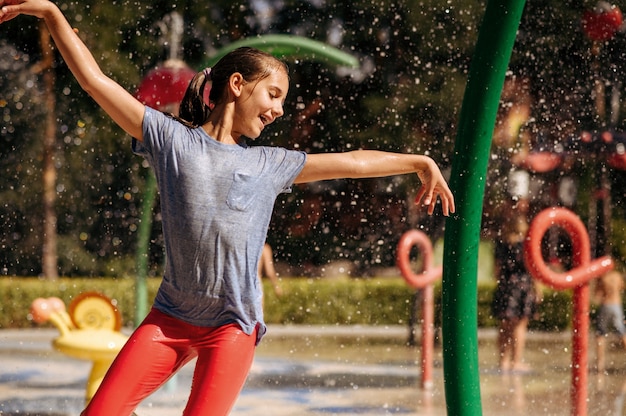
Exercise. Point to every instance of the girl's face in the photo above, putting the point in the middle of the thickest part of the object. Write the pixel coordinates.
(260, 103)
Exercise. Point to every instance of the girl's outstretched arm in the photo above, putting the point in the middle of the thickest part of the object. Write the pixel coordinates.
(123, 108)
(372, 163)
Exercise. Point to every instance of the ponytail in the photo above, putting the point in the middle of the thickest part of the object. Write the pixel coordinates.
(193, 110)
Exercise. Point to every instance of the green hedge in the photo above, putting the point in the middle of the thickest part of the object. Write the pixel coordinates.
(17, 294)
(384, 301)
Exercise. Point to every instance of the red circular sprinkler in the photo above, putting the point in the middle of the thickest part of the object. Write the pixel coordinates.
(165, 84)
(541, 161)
(617, 161)
(601, 23)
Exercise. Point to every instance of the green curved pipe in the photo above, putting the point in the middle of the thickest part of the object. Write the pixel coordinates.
(462, 235)
(143, 247)
(283, 46)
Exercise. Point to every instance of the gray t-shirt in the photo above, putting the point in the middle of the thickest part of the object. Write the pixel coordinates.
(216, 205)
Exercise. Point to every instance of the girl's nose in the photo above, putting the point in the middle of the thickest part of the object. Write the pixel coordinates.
(278, 110)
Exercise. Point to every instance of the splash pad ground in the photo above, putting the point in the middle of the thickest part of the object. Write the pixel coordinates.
(323, 371)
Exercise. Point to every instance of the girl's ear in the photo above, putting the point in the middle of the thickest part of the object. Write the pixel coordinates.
(236, 83)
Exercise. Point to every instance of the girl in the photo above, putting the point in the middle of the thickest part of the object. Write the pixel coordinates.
(217, 196)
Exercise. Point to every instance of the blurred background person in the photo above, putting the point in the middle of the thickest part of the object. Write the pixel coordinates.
(516, 297)
(610, 315)
(267, 269)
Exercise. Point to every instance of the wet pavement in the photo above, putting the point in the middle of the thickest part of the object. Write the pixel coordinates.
(322, 371)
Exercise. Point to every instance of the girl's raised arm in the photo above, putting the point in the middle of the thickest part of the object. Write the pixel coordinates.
(118, 103)
(372, 163)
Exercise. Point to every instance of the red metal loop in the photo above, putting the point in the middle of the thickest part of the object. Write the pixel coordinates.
(584, 268)
(429, 273)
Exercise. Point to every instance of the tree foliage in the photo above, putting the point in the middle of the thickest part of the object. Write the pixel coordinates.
(406, 97)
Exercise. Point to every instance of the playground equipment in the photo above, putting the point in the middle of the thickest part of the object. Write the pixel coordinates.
(90, 331)
(584, 270)
(423, 281)
(290, 46)
(467, 181)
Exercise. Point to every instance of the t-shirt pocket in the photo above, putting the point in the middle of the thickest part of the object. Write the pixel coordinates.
(242, 191)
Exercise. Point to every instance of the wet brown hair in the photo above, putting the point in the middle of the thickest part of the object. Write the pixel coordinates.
(253, 64)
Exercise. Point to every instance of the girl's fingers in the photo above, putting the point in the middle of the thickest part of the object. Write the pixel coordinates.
(428, 198)
(7, 12)
(420, 194)
(445, 204)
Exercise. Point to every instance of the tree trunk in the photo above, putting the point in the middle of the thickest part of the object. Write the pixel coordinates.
(49, 250)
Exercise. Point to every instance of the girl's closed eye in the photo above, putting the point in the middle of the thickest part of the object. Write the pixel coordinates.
(274, 94)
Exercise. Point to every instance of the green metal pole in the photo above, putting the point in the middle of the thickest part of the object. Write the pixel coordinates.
(141, 290)
(471, 155)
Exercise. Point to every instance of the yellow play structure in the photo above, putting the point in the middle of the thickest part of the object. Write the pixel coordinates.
(89, 331)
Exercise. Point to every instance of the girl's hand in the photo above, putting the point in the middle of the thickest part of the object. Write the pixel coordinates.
(12, 8)
(118, 103)
(434, 186)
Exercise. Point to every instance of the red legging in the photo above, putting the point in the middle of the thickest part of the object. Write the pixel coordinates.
(159, 347)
